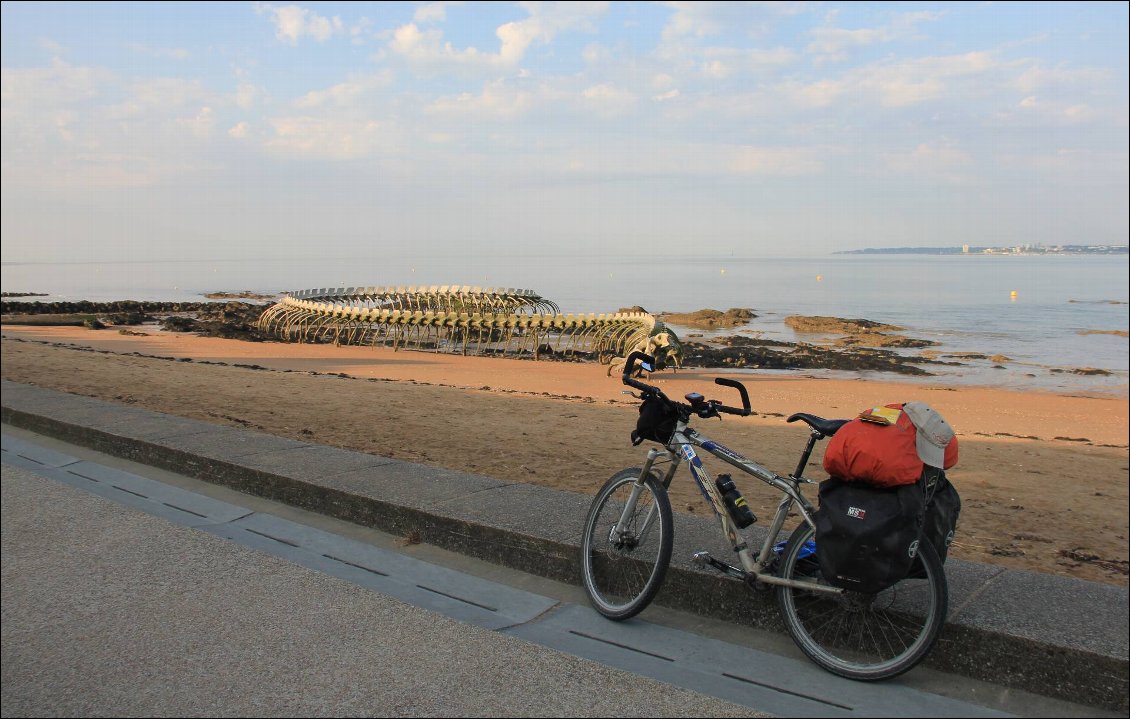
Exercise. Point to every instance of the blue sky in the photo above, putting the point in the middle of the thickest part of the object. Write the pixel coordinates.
(272, 130)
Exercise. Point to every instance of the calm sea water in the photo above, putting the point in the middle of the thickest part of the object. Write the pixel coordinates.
(963, 302)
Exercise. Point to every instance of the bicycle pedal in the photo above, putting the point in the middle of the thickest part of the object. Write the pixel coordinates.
(703, 559)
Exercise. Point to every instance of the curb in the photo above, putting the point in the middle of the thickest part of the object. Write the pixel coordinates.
(1049, 635)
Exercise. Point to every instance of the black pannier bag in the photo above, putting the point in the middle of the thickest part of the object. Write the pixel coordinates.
(867, 537)
(943, 506)
(656, 423)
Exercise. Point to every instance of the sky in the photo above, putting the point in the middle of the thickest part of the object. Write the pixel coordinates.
(244, 131)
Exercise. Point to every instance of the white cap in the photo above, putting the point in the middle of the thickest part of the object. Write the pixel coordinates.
(934, 433)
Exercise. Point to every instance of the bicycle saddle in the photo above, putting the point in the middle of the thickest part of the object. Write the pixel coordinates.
(826, 427)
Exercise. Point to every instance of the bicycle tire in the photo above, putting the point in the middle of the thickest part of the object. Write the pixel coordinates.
(867, 637)
(621, 575)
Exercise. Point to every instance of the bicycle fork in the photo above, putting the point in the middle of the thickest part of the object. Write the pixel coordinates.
(630, 506)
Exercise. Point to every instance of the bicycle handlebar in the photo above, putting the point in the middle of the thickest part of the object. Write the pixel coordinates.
(648, 363)
(725, 382)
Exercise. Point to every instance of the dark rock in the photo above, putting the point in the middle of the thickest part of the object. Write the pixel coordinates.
(1090, 371)
(780, 355)
(836, 325)
(877, 339)
(709, 319)
(177, 323)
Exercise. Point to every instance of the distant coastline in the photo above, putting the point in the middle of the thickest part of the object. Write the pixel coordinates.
(1015, 250)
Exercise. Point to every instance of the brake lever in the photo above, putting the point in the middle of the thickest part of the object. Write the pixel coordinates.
(711, 410)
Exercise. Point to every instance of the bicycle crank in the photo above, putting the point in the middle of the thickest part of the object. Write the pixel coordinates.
(703, 559)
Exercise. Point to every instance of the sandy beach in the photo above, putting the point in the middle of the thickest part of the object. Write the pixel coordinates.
(1043, 477)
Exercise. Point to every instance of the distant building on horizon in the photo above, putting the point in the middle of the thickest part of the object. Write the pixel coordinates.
(965, 249)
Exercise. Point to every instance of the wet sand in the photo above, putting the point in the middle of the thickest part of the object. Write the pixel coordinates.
(1043, 477)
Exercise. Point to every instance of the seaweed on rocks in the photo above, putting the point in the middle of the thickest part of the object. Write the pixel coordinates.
(767, 354)
(230, 320)
(709, 319)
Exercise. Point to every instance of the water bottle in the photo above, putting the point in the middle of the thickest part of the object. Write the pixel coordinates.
(735, 502)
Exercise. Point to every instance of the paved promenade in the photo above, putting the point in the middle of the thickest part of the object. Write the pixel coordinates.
(109, 611)
(1059, 637)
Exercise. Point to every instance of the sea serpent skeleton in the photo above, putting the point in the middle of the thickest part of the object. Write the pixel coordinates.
(469, 320)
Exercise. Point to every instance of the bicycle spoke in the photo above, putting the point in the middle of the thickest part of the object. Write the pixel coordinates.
(864, 636)
(622, 567)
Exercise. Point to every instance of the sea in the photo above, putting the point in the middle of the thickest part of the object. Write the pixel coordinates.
(1060, 320)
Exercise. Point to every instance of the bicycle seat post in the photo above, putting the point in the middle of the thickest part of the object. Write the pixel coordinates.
(813, 437)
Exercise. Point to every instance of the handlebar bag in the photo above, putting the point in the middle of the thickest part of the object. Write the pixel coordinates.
(656, 423)
(879, 448)
(867, 537)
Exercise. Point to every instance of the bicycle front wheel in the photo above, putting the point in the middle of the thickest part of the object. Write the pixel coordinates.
(624, 555)
(862, 636)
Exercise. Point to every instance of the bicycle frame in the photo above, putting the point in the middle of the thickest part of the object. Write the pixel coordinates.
(681, 447)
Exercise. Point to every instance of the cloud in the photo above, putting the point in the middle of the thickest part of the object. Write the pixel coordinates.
(608, 101)
(293, 23)
(202, 123)
(432, 12)
(941, 159)
(1074, 167)
(776, 161)
(500, 100)
(834, 42)
(345, 94)
(73, 126)
(50, 45)
(246, 95)
(645, 157)
(359, 30)
(831, 44)
(44, 106)
(428, 49)
(897, 84)
(1056, 111)
(704, 19)
(153, 98)
(1039, 78)
(330, 138)
(721, 62)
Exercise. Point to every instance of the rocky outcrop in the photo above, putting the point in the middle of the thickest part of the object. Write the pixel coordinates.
(836, 325)
(752, 353)
(234, 320)
(708, 319)
(859, 333)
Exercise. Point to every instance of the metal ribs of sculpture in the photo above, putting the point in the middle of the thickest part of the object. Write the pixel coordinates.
(470, 320)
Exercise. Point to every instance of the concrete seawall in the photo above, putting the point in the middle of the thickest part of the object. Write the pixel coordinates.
(1049, 635)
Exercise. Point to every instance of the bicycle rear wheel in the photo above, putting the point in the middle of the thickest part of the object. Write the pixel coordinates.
(623, 570)
(862, 636)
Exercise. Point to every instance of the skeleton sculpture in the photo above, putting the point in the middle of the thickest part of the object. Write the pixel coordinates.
(475, 320)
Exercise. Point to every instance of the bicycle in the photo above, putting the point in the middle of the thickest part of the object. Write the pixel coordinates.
(628, 540)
